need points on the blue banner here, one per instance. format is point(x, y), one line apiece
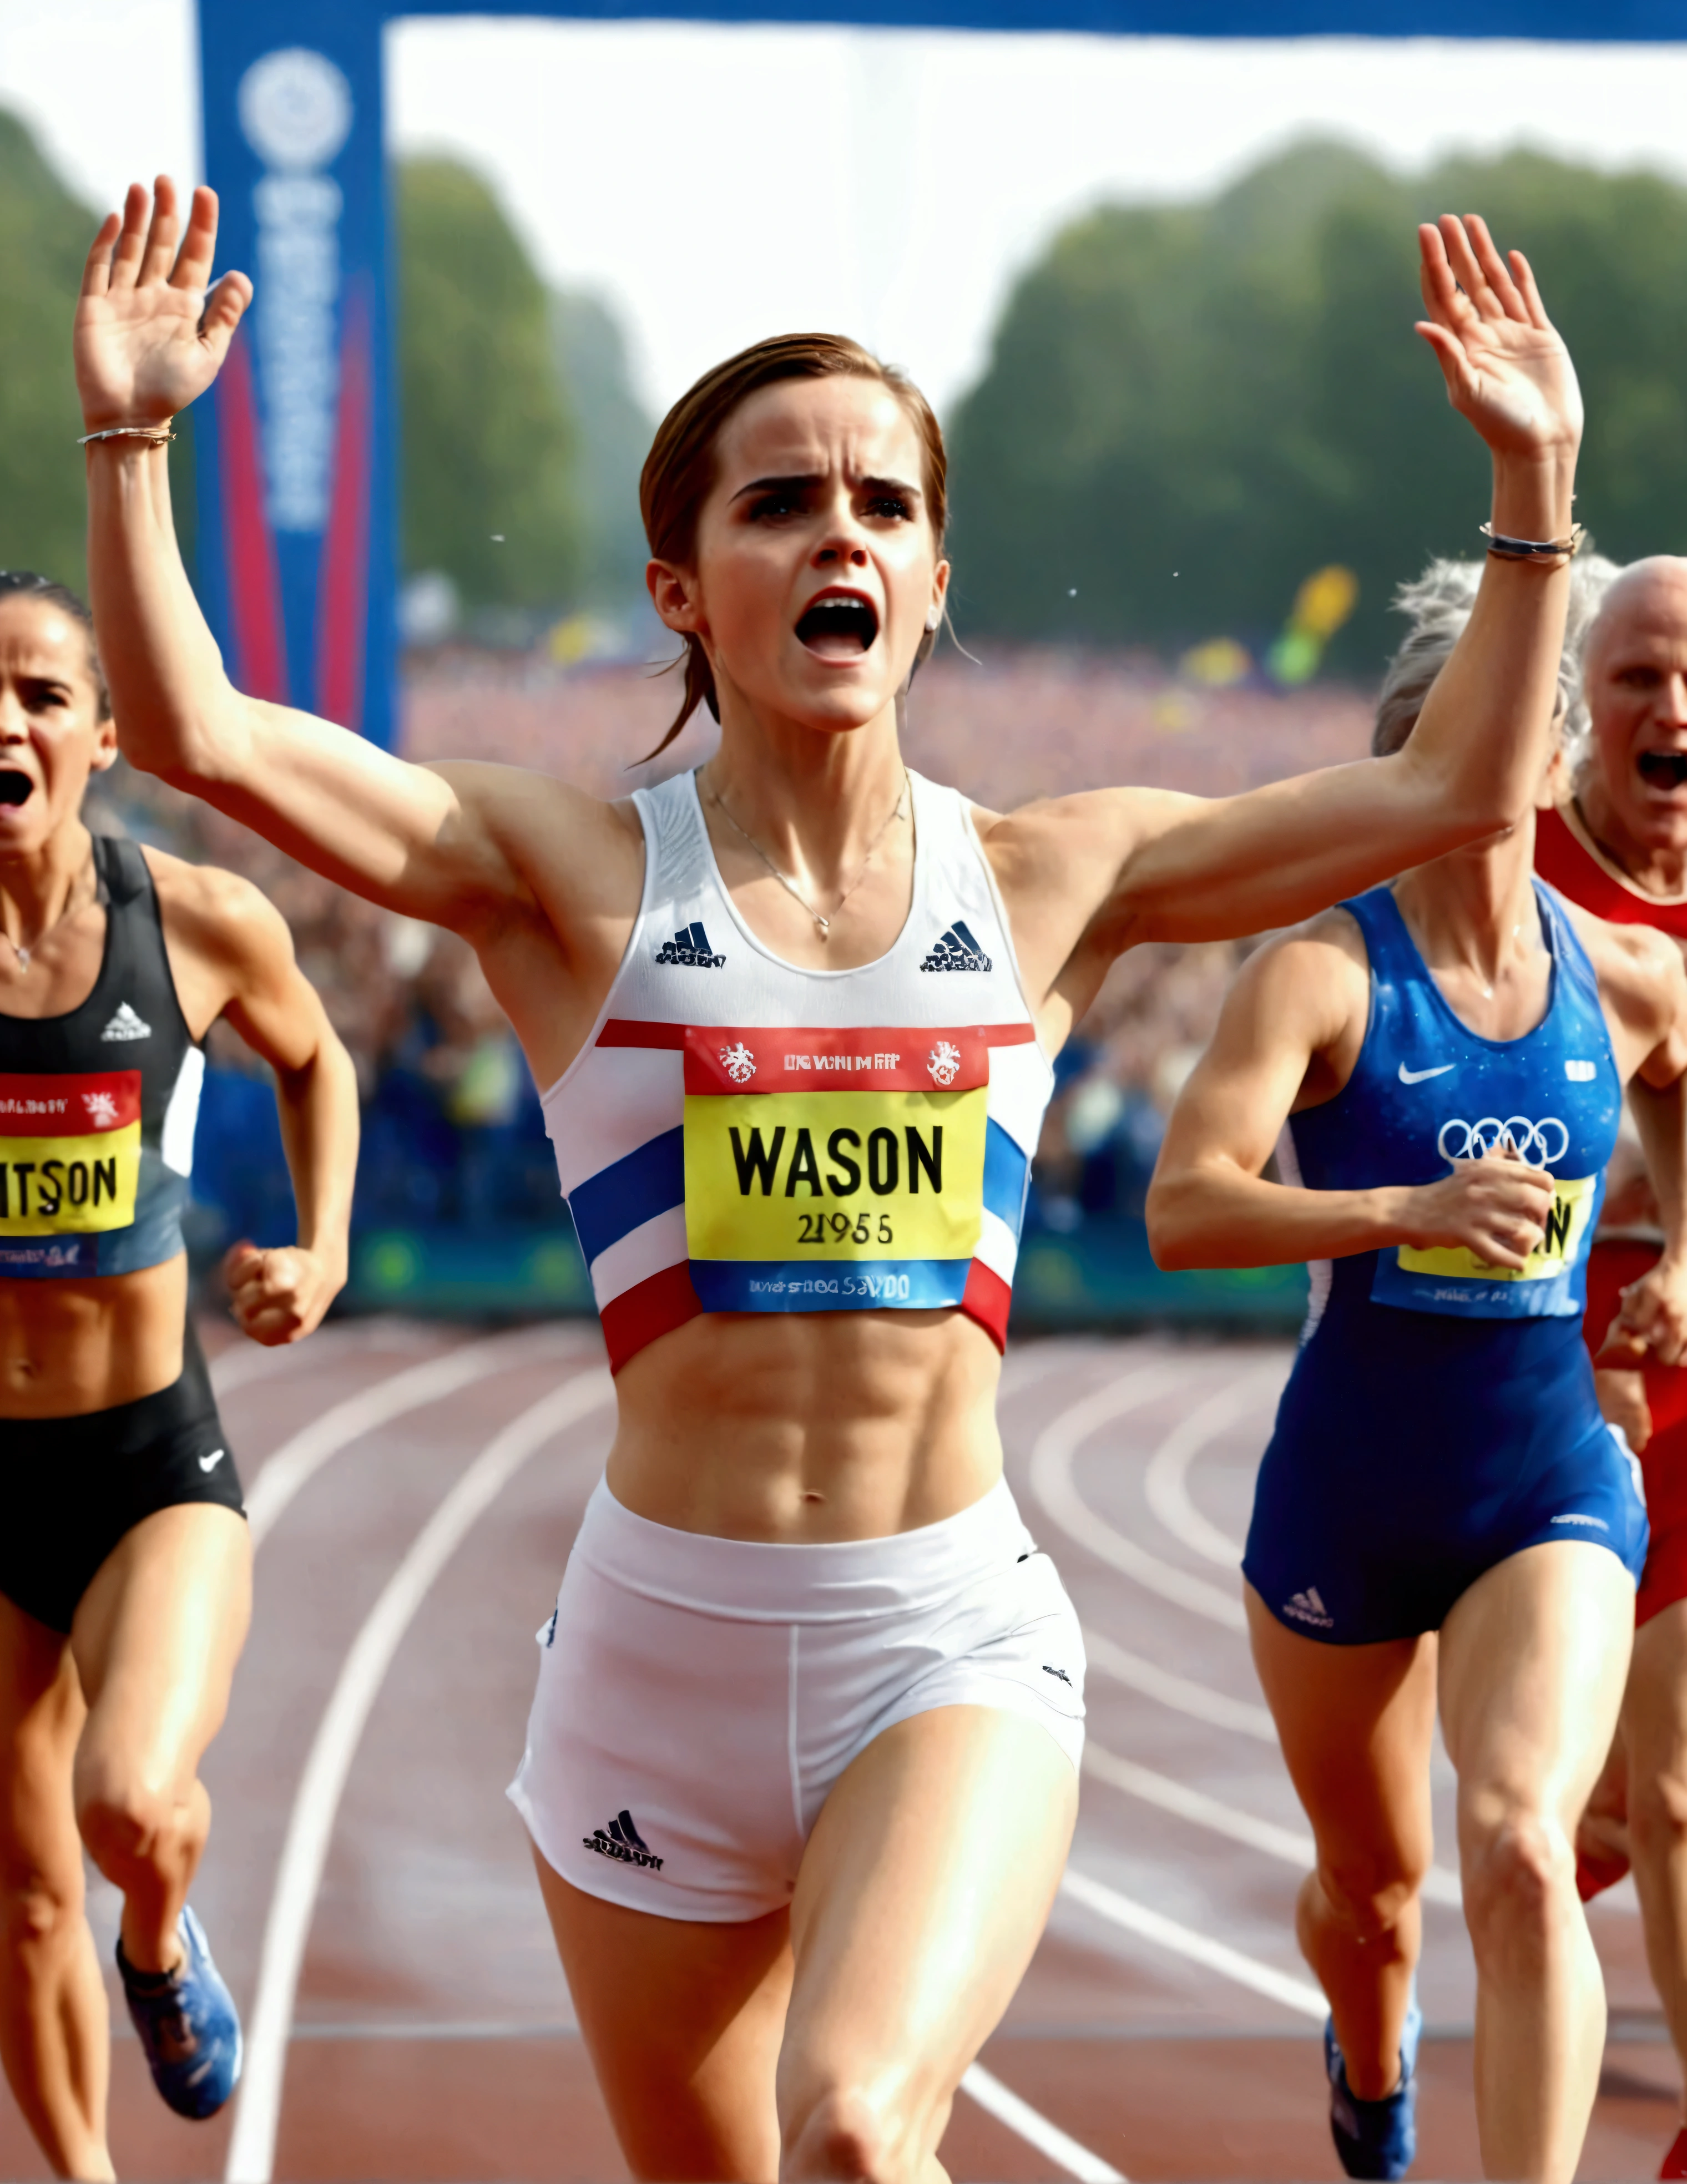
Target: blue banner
point(296, 444)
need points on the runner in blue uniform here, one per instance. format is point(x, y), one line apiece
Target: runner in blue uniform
point(1441, 1498)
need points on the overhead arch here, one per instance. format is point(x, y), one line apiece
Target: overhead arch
point(296, 447)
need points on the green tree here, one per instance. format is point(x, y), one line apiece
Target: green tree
point(614, 438)
point(44, 237)
point(489, 463)
point(1187, 408)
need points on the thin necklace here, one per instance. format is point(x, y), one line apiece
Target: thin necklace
point(790, 888)
point(71, 906)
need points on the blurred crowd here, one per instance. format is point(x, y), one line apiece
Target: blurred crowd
point(452, 1134)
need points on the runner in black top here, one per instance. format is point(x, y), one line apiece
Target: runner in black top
point(124, 1561)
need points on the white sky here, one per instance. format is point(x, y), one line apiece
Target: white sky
point(719, 185)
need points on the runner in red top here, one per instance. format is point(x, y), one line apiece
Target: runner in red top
point(1618, 845)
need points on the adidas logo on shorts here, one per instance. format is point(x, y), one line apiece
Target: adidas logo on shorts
point(621, 1840)
point(956, 950)
point(1308, 1607)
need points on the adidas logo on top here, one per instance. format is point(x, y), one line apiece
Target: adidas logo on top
point(621, 1841)
point(1308, 1607)
point(690, 948)
point(956, 950)
point(126, 1024)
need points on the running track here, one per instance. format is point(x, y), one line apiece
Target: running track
point(415, 1490)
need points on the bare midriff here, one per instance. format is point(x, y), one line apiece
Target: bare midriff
point(69, 1347)
point(795, 1427)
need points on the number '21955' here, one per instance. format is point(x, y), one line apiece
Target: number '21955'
point(842, 1229)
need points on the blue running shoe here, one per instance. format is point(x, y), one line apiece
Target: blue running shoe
point(188, 2025)
point(1376, 2138)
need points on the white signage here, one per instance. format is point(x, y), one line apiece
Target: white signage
point(296, 112)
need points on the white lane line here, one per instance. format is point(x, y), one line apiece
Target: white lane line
point(1200, 1700)
point(298, 1459)
point(1165, 1483)
point(1031, 2125)
point(316, 1802)
point(1292, 1846)
point(1051, 1482)
point(244, 1361)
point(1182, 1941)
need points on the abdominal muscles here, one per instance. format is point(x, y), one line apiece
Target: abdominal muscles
point(803, 1426)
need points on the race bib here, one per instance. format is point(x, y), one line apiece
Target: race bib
point(833, 1168)
point(70, 1153)
point(1452, 1279)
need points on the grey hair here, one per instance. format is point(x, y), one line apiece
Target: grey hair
point(1438, 604)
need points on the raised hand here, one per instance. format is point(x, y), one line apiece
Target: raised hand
point(150, 337)
point(1505, 367)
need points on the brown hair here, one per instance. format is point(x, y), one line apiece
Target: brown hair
point(679, 469)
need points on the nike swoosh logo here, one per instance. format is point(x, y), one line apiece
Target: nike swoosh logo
point(210, 1463)
point(1417, 1076)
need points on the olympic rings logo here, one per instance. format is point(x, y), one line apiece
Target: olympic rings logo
point(1532, 1142)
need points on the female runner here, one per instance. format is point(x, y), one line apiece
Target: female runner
point(1451, 1051)
point(801, 1771)
point(124, 1562)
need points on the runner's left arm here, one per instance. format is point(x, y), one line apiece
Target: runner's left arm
point(242, 950)
point(1132, 865)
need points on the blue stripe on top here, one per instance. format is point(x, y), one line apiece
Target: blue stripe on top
point(629, 1192)
point(1007, 1171)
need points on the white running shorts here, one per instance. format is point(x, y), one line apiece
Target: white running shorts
point(699, 1697)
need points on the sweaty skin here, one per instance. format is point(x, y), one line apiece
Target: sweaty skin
point(854, 1424)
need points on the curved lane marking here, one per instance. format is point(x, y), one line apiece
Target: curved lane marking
point(1005, 2104)
point(299, 1458)
point(244, 1362)
point(1051, 1482)
point(316, 1802)
point(1199, 1701)
point(1165, 1483)
point(1292, 1846)
point(1124, 1911)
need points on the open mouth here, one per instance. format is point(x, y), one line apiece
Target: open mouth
point(839, 626)
point(1663, 769)
point(15, 788)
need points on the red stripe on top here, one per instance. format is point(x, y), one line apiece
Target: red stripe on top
point(651, 1307)
point(80, 1107)
point(727, 1058)
point(987, 1299)
point(1565, 863)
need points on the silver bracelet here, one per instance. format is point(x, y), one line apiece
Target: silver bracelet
point(160, 436)
point(1533, 549)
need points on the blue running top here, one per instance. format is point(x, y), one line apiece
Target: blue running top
point(1426, 1090)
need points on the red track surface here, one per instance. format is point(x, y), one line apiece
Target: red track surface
point(432, 2035)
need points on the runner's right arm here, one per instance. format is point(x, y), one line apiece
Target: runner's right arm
point(444, 843)
point(1288, 1038)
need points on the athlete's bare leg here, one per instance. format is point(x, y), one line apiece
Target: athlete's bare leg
point(683, 2022)
point(1534, 1659)
point(1654, 1730)
point(156, 1638)
point(1356, 1724)
point(54, 2034)
point(830, 2044)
